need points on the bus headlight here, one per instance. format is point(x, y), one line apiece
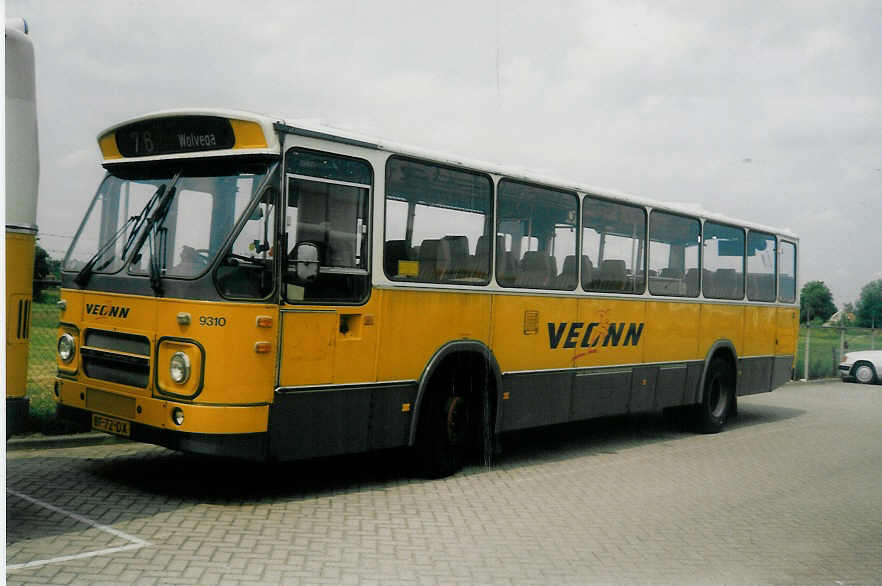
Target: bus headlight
point(67, 347)
point(179, 367)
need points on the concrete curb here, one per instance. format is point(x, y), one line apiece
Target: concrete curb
point(42, 442)
point(815, 381)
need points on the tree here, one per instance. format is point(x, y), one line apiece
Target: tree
point(869, 306)
point(848, 315)
point(41, 270)
point(815, 300)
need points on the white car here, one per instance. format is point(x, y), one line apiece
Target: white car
point(865, 366)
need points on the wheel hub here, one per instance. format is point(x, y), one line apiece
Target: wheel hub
point(457, 419)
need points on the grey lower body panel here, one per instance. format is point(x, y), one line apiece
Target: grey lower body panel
point(761, 374)
point(782, 370)
point(549, 397)
point(329, 421)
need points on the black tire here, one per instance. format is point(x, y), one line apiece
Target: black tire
point(864, 373)
point(711, 414)
point(446, 427)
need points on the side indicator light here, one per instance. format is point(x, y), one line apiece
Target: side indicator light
point(264, 321)
point(262, 347)
point(506, 396)
point(405, 407)
point(184, 318)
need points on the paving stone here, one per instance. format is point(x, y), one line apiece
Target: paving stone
point(791, 493)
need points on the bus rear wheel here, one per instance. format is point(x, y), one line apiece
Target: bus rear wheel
point(445, 430)
point(718, 399)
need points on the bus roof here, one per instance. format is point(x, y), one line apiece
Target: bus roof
point(269, 125)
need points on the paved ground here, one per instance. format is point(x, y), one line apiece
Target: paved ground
point(790, 494)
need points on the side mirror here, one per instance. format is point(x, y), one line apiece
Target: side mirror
point(305, 258)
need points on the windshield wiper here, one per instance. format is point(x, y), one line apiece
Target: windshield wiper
point(154, 225)
point(85, 273)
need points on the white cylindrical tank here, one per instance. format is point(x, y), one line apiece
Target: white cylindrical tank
point(22, 160)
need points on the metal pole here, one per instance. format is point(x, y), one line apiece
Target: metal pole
point(841, 343)
point(808, 338)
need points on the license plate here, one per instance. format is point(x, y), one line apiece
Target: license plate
point(111, 425)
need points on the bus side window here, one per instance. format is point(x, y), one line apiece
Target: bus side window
point(539, 228)
point(327, 219)
point(615, 235)
point(438, 223)
point(723, 259)
point(761, 266)
point(673, 253)
point(787, 273)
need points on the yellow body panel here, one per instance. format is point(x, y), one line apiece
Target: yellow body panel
point(787, 331)
point(19, 279)
point(618, 336)
point(721, 322)
point(521, 338)
point(107, 144)
point(105, 311)
point(414, 324)
point(759, 331)
point(249, 135)
point(322, 345)
point(672, 332)
point(235, 374)
point(307, 347)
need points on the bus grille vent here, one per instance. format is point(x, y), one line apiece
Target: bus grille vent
point(117, 357)
point(24, 319)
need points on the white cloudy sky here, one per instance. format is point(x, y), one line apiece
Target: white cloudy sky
point(760, 110)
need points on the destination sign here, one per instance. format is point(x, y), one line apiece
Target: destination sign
point(175, 134)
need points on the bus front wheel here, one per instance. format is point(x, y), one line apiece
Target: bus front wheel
point(718, 398)
point(445, 429)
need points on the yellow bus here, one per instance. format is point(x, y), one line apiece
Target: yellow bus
point(266, 289)
point(22, 176)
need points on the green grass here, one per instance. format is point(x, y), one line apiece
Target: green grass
point(42, 369)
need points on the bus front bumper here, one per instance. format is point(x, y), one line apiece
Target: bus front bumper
point(221, 430)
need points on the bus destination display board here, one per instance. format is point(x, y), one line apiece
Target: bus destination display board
point(175, 134)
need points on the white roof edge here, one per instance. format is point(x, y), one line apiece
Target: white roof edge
point(526, 175)
point(458, 161)
point(265, 121)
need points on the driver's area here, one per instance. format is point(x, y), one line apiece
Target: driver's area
point(328, 198)
point(247, 269)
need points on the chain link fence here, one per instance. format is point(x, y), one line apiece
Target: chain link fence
point(825, 346)
point(41, 364)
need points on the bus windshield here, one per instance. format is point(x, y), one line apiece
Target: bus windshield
point(198, 220)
